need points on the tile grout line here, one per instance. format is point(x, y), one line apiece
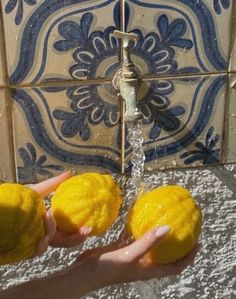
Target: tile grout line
point(7, 93)
point(108, 81)
point(224, 143)
point(179, 76)
point(232, 35)
point(122, 104)
point(4, 48)
point(59, 83)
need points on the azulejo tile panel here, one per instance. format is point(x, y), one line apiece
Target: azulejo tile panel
point(56, 40)
point(183, 121)
point(180, 36)
point(229, 153)
point(7, 171)
point(74, 127)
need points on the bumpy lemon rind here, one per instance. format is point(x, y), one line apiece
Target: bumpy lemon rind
point(183, 216)
point(90, 199)
point(22, 213)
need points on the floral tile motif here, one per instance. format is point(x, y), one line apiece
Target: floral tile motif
point(180, 36)
point(67, 126)
point(229, 149)
point(50, 41)
point(56, 40)
point(183, 121)
point(7, 172)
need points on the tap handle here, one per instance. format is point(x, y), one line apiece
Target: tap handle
point(128, 40)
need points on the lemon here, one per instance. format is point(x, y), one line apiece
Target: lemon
point(167, 205)
point(22, 214)
point(89, 199)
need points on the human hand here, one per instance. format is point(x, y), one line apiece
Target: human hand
point(53, 236)
point(116, 263)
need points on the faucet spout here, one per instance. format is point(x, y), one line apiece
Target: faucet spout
point(126, 80)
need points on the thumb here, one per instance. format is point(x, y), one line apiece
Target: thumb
point(139, 248)
point(48, 186)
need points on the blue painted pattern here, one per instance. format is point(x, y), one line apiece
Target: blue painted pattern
point(94, 52)
point(207, 153)
point(19, 6)
point(41, 136)
point(219, 4)
point(86, 108)
point(32, 167)
point(92, 49)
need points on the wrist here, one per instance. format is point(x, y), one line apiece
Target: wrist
point(94, 273)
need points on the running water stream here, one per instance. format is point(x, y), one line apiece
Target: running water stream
point(135, 139)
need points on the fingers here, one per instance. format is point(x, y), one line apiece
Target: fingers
point(48, 186)
point(124, 238)
point(61, 239)
point(139, 248)
point(50, 224)
point(42, 246)
point(50, 230)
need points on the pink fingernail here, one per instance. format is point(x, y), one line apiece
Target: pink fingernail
point(85, 230)
point(162, 231)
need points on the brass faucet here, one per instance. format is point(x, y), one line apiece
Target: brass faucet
point(126, 80)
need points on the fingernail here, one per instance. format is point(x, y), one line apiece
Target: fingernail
point(49, 213)
point(162, 231)
point(85, 230)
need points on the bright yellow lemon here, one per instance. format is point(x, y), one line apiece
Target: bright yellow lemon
point(167, 205)
point(89, 199)
point(22, 213)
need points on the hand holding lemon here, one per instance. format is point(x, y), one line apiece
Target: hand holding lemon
point(92, 201)
point(89, 199)
point(172, 206)
point(26, 229)
point(82, 205)
point(166, 223)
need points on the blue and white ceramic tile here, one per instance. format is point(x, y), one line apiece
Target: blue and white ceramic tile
point(229, 152)
point(7, 171)
point(50, 41)
point(183, 121)
point(180, 36)
point(72, 127)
